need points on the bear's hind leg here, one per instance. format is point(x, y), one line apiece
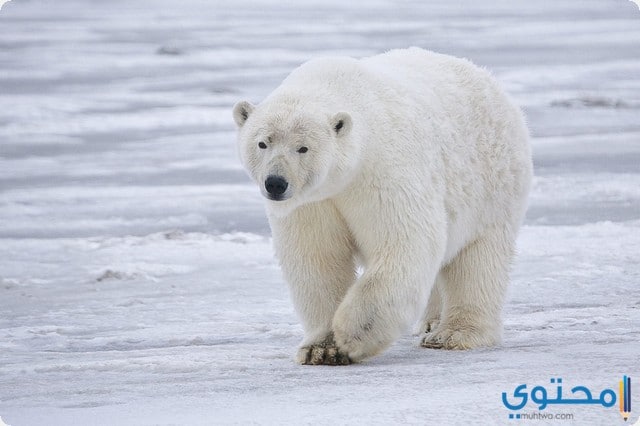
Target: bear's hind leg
point(473, 291)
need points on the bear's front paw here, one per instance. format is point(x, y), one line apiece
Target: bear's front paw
point(322, 353)
point(361, 332)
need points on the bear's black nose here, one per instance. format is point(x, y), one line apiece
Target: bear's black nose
point(276, 185)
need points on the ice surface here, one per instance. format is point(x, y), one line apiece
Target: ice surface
point(137, 279)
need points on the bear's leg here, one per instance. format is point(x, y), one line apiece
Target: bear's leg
point(316, 254)
point(474, 288)
point(377, 310)
point(431, 317)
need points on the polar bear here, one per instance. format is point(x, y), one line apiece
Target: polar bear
point(395, 187)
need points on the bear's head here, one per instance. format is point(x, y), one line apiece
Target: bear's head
point(294, 152)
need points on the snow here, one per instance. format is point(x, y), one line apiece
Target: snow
point(137, 280)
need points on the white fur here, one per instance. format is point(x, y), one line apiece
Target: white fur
point(425, 181)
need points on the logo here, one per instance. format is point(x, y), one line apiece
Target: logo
point(2, 3)
point(637, 2)
point(579, 395)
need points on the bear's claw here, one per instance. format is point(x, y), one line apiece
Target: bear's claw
point(323, 353)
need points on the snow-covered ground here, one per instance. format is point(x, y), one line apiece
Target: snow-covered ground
point(137, 280)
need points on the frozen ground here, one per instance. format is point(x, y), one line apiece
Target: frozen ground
point(137, 282)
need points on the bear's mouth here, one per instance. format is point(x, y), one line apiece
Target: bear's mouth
point(281, 197)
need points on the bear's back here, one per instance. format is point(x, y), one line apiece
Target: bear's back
point(400, 75)
point(335, 82)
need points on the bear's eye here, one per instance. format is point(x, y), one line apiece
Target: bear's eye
point(303, 149)
point(262, 145)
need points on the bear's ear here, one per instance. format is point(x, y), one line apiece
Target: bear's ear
point(341, 124)
point(241, 112)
